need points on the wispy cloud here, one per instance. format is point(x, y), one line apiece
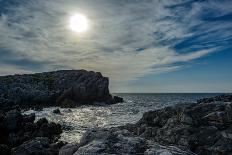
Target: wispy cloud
point(127, 39)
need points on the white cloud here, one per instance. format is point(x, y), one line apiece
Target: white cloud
point(37, 30)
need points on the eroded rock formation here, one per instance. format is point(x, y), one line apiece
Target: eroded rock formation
point(20, 134)
point(67, 88)
point(202, 128)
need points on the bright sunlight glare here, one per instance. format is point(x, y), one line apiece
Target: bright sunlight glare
point(78, 23)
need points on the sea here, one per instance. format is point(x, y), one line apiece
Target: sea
point(76, 121)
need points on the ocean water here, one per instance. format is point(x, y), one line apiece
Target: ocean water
point(77, 120)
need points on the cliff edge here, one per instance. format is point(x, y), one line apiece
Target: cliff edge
point(57, 88)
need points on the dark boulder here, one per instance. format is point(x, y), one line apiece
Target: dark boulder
point(46, 129)
point(56, 111)
point(113, 141)
point(68, 149)
point(29, 118)
point(41, 121)
point(117, 99)
point(37, 146)
point(17, 129)
point(4, 149)
point(57, 145)
point(30, 127)
point(13, 120)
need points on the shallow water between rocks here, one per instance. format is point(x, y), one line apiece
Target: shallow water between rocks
point(76, 121)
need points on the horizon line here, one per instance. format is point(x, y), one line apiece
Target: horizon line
point(172, 93)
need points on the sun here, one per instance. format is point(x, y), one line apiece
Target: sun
point(78, 23)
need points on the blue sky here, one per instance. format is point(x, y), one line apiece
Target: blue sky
point(142, 45)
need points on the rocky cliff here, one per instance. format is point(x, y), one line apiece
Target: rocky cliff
point(64, 87)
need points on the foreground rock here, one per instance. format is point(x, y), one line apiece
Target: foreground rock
point(67, 88)
point(200, 128)
point(56, 111)
point(21, 135)
point(39, 145)
point(68, 149)
point(121, 141)
point(203, 128)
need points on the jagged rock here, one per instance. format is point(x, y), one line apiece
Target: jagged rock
point(57, 145)
point(121, 141)
point(45, 129)
point(41, 121)
point(68, 149)
point(156, 149)
point(203, 128)
point(185, 129)
point(56, 111)
point(13, 120)
point(17, 129)
point(53, 88)
point(224, 98)
point(222, 146)
point(118, 99)
point(29, 118)
point(4, 149)
point(110, 142)
point(67, 110)
point(39, 145)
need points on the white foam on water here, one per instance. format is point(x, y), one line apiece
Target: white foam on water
point(76, 122)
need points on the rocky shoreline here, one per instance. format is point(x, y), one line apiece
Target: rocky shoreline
point(203, 128)
point(200, 128)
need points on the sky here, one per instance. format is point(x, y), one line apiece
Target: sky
point(141, 45)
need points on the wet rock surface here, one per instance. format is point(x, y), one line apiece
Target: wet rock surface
point(68, 149)
point(56, 111)
point(121, 141)
point(203, 128)
point(111, 142)
point(66, 88)
point(21, 135)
